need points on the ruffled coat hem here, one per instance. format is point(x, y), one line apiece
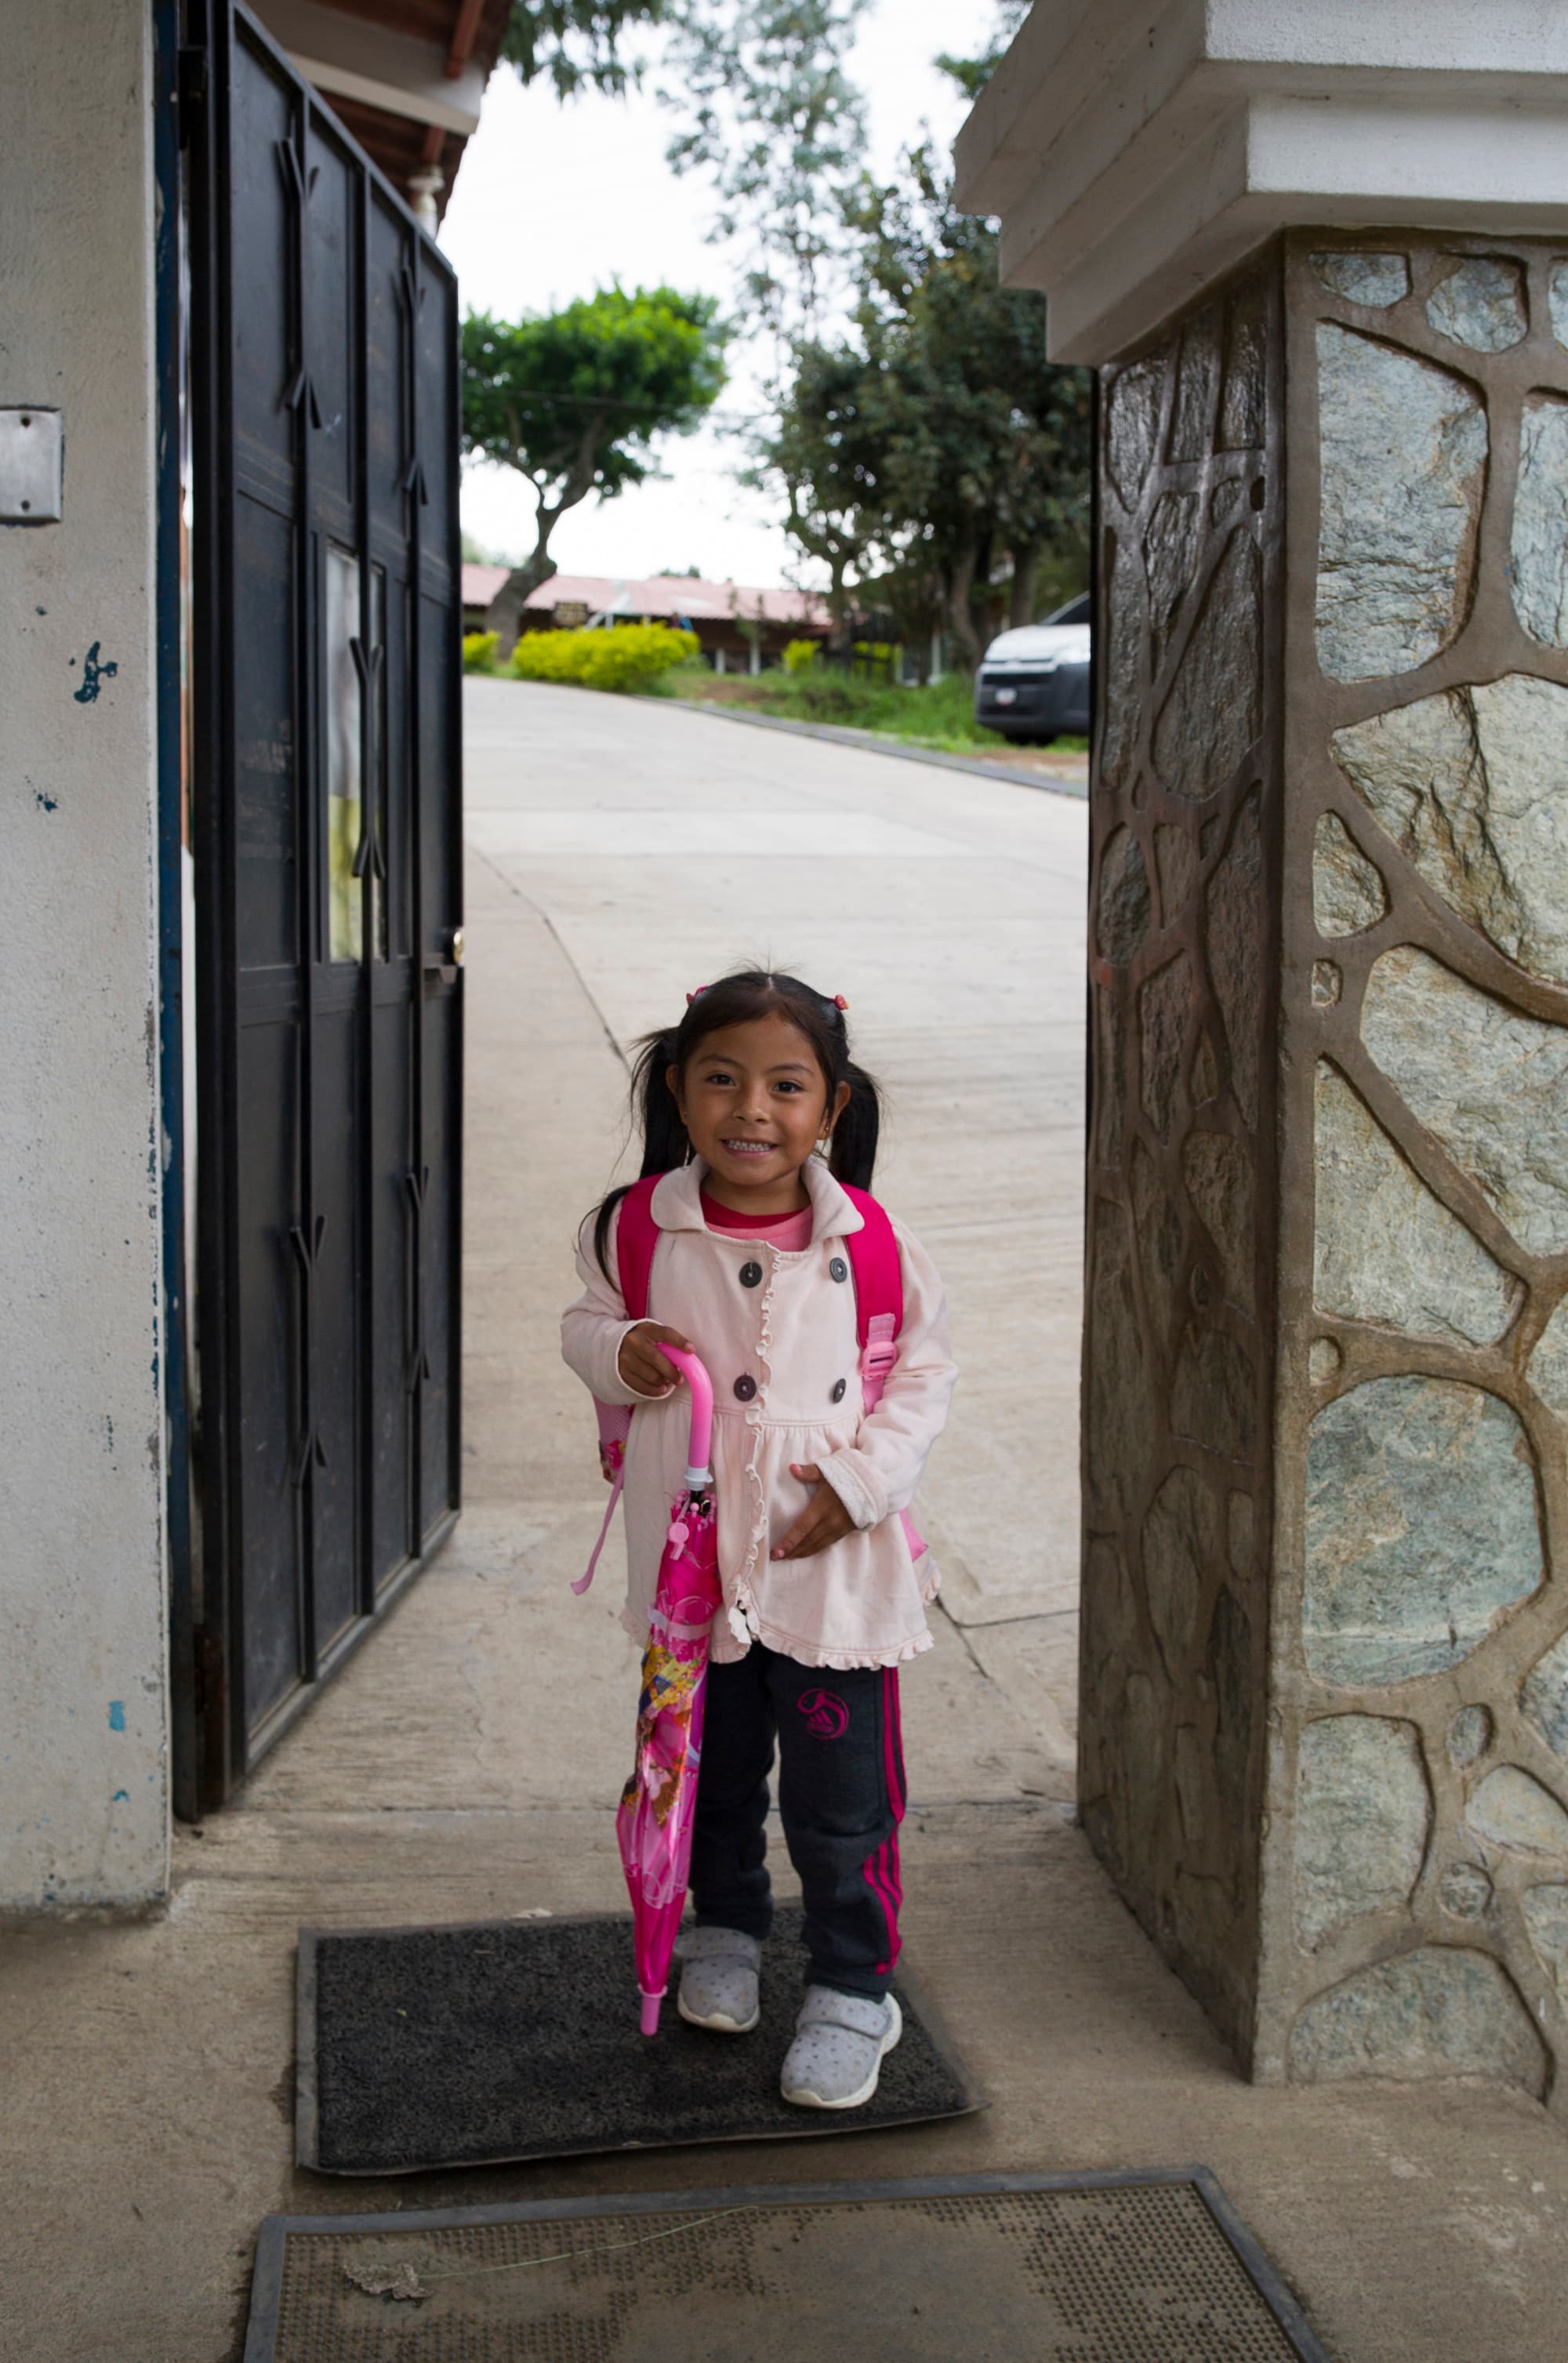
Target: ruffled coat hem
point(807, 1653)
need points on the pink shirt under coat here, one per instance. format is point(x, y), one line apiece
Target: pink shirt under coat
point(790, 1232)
point(788, 1339)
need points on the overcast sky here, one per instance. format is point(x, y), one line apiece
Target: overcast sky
point(554, 201)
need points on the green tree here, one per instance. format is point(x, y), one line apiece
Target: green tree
point(824, 458)
point(771, 112)
point(988, 445)
point(972, 74)
point(930, 455)
point(577, 400)
point(575, 42)
point(935, 457)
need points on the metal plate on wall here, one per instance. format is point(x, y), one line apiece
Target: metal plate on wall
point(32, 465)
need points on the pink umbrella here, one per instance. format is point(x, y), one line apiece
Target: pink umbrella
point(658, 1806)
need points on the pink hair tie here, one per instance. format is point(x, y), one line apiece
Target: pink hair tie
point(693, 996)
point(839, 1001)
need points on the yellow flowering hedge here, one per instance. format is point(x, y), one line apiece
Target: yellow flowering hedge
point(479, 652)
point(623, 656)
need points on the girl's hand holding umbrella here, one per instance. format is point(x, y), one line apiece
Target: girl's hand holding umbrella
point(641, 1365)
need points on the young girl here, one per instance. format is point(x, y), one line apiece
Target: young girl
point(754, 1113)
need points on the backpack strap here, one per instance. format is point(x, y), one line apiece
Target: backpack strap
point(879, 1292)
point(879, 1311)
point(636, 1236)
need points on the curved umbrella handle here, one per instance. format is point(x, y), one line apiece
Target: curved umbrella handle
point(698, 1471)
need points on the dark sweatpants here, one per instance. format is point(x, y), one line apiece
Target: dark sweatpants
point(841, 1798)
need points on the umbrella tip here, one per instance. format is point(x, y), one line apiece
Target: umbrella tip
point(650, 2003)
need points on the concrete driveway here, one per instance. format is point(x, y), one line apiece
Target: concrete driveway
point(466, 1764)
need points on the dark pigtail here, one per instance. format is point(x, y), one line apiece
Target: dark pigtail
point(737, 1000)
point(664, 1142)
point(853, 1154)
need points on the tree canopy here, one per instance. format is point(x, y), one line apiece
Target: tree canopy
point(933, 457)
point(972, 74)
point(771, 112)
point(575, 400)
point(825, 458)
point(575, 42)
point(924, 452)
point(987, 444)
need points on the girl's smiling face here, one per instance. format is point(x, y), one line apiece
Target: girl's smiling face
point(755, 1103)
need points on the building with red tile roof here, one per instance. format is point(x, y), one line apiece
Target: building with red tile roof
point(740, 626)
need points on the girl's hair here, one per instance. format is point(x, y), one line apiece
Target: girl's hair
point(737, 1000)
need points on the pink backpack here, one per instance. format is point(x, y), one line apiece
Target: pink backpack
point(878, 1277)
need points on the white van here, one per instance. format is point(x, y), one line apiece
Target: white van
point(1033, 683)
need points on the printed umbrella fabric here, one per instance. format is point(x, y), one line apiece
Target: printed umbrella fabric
point(659, 1803)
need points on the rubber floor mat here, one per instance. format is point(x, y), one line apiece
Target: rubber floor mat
point(475, 2045)
point(1146, 2268)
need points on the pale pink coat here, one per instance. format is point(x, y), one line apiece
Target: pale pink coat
point(861, 1602)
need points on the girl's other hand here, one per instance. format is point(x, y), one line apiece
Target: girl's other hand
point(640, 1364)
point(824, 1519)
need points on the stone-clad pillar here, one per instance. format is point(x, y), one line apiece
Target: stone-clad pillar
point(1325, 1686)
point(1325, 1662)
point(1179, 1377)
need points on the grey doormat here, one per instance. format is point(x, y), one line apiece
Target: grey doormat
point(1146, 2267)
point(508, 2039)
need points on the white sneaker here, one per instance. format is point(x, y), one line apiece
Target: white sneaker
point(720, 1980)
point(839, 2043)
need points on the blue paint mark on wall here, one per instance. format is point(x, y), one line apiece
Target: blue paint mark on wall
point(45, 803)
point(117, 1715)
point(93, 676)
point(121, 1796)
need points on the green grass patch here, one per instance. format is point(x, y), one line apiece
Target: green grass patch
point(940, 716)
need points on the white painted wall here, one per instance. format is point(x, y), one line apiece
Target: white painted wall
point(83, 1791)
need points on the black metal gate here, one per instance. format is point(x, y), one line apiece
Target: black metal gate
point(325, 810)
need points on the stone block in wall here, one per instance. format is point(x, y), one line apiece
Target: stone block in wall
point(1440, 2011)
point(1421, 1529)
point(1386, 1249)
point(1401, 449)
point(1488, 1081)
point(1469, 784)
point(1364, 1813)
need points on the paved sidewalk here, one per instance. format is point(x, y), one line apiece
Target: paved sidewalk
point(466, 1764)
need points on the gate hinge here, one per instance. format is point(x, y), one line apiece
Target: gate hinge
point(206, 1671)
point(191, 90)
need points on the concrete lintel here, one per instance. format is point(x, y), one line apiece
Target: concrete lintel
point(1272, 164)
point(346, 56)
point(1046, 86)
point(1135, 150)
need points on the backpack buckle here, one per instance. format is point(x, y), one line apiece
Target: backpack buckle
point(878, 1356)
